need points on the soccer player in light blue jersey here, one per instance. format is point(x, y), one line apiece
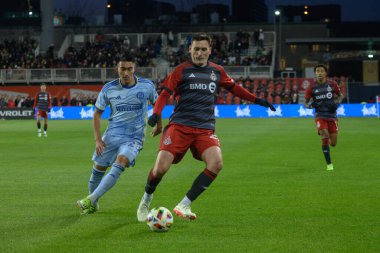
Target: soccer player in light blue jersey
point(128, 97)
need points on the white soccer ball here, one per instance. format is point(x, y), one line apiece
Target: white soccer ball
point(160, 219)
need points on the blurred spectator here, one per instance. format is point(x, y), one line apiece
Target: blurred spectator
point(256, 35)
point(17, 100)
point(64, 101)
point(54, 101)
point(20, 102)
point(170, 39)
point(286, 97)
point(3, 103)
point(261, 38)
point(73, 101)
point(11, 103)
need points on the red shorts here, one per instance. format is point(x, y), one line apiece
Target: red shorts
point(177, 139)
point(42, 114)
point(330, 124)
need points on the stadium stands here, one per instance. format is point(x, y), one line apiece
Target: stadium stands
point(90, 58)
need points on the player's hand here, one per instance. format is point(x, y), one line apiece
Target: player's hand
point(100, 146)
point(316, 104)
point(332, 106)
point(265, 103)
point(153, 119)
point(156, 130)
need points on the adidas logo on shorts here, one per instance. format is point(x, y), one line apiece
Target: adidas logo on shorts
point(168, 141)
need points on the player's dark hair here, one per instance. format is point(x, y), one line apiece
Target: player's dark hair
point(127, 57)
point(320, 66)
point(200, 37)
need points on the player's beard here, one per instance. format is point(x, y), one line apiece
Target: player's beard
point(125, 80)
point(200, 62)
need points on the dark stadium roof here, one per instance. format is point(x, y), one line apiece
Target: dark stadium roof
point(330, 40)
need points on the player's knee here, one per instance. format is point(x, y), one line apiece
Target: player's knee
point(159, 172)
point(216, 166)
point(325, 141)
point(123, 161)
point(161, 167)
point(101, 168)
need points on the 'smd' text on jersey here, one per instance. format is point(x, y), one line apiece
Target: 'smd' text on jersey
point(194, 90)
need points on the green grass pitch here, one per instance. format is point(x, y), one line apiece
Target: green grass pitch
point(273, 194)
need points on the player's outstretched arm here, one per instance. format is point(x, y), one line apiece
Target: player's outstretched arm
point(264, 103)
point(245, 94)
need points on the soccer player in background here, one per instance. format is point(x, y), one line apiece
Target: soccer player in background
point(128, 96)
point(194, 85)
point(42, 102)
point(325, 96)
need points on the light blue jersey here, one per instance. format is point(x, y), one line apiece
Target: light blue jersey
point(127, 123)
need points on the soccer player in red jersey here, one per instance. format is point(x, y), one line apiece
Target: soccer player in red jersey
point(194, 85)
point(325, 96)
point(43, 103)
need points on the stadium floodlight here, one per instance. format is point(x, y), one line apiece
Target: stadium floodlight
point(277, 14)
point(30, 13)
point(370, 55)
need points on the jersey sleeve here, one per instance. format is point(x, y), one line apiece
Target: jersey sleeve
point(308, 92)
point(228, 83)
point(102, 101)
point(225, 80)
point(153, 94)
point(168, 87)
point(49, 101)
point(35, 101)
point(336, 89)
point(173, 80)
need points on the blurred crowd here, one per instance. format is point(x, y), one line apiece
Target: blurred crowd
point(276, 91)
point(28, 102)
point(104, 52)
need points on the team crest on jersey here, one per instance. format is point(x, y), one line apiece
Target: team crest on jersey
point(212, 87)
point(329, 88)
point(213, 76)
point(168, 141)
point(140, 95)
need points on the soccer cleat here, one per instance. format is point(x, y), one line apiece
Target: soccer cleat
point(45, 134)
point(39, 134)
point(184, 212)
point(143, 210)
point(330, 167)
point(87, 206)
